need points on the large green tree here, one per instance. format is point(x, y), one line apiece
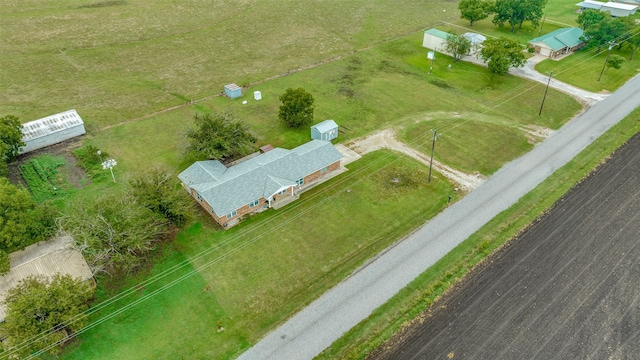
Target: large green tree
point(607, 32)
point(591, 17)
point(475, 10)
point(114, 233)
point(160, 192)
point(633, 41)
point(11, 135)
point(15, 215)
point(516, 12)
point(457, 46)
point(501, 54)
point(220, 137)
point(10, 141)
point(43, 313)
point(297, 107)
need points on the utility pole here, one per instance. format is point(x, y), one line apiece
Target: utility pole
point(606, 60)
point(545, 93)
point(433, 145)
point(543, 19)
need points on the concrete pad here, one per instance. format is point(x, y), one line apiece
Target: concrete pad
point(349, 155)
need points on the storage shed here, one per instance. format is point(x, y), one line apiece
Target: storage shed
point(435, 39)
point(51, 130)
point(233, 91)
point(326, 130)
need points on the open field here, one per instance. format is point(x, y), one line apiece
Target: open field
point(118, 60)
point(565, 288)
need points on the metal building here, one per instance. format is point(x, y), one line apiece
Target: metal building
point(51, 130)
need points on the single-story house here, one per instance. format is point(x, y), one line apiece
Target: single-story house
point(476, 41)
point(616, 9)
point(45, 258)
point(228, 193)
point(51, 130)
point(326, 130)
point(558, 42)
point(435, 39)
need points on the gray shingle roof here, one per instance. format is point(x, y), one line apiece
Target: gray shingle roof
point(325, 126)
point(228, 189)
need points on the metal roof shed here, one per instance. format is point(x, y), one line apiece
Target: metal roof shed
point(326, 130)
point(45, 258)
point(233, 91)
point(51, 130)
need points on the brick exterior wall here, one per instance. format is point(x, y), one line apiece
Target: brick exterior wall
point(316, 175)
point(246, 209)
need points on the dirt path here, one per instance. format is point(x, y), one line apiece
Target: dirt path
point(386, 139)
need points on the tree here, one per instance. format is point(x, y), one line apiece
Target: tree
point(11, 136)
point(591, 17)
point(4, 148)
point(114, 232)
point(516, 12)
point(15, 216)
point(615, 61)
point(297, 107)
point(43, 313)
point(475, 10)
point(502, 53)
point(633, 41)
point(220, 137)
point(160, 192)
point(22, 221)
point(457, 46)
point(606, 32)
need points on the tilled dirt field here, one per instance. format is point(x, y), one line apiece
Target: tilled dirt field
point(567, 288)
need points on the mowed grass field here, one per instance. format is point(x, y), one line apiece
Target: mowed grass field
point(118, 60)
point(135, 58)
point(261, 272)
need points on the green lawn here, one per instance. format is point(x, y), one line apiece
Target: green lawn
point(246, 280)
point(583, 69)
point(118, 60)
point(410, 303)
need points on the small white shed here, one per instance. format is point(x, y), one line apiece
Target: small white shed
point(326, 130)
point(51, 130)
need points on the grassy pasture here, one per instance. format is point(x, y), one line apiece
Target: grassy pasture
point(583, 69)
point(387, 86)
point(118, 60)
point(254, 289)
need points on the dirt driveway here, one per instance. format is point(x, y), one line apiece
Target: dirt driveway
point(386, 139)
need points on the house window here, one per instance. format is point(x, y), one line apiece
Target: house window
point(254, 203)
point(300, 182)
point(282, 191)
point(324, 170)
point(232, 214)
point(199, 197)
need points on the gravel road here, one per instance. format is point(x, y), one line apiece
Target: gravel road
point(322, 322)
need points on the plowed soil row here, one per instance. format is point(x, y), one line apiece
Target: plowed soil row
point(567, 288)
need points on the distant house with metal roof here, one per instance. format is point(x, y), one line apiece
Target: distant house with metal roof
point(616, 9)
point(326, 130)
point(228, 193)
point(558, 42)
point(435, 39)
point(476, 41)
point(45, 258)
point(51, 130)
